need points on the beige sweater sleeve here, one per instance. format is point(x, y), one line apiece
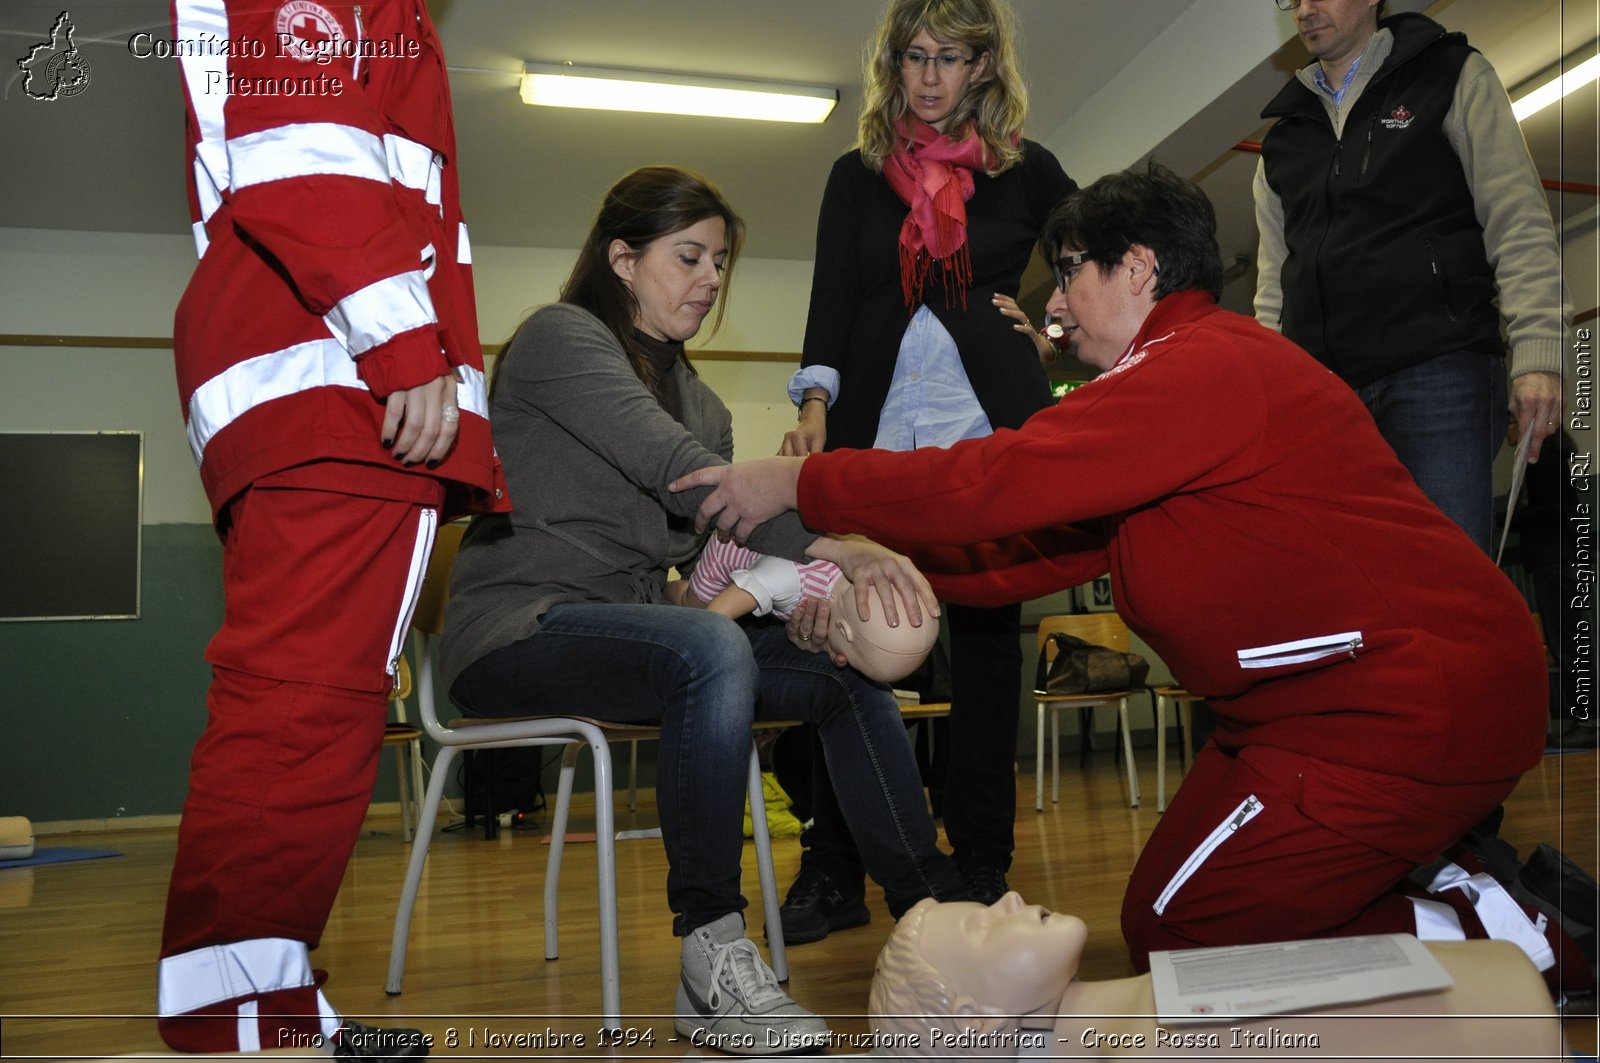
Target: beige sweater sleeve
point(1512, 209)
point(1270, 253)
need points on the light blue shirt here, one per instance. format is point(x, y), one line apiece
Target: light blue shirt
point(1349, 75)
point(930, 402)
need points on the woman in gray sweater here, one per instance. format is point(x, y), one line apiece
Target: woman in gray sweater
point(559, 604)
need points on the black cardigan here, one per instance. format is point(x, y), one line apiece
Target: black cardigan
point(858, 313)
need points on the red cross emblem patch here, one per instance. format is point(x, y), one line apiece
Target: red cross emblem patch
point(308, 31)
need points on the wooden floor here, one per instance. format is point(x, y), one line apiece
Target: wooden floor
point(78, 941)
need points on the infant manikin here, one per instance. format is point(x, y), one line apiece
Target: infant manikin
point(736, 581)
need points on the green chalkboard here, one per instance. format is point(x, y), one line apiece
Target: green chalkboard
point(70, 521)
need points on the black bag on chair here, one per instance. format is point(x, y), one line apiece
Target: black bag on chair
point(1081, 667)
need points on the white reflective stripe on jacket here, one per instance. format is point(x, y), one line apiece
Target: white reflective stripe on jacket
point(277, 374)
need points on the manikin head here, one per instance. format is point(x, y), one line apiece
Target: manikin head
point(872, 647)
point(964, 967)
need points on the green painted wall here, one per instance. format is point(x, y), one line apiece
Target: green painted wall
point(105, 712)
point(100, 715)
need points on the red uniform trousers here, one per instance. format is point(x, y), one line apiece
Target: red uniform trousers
point(1267, 845)
point(320, 586)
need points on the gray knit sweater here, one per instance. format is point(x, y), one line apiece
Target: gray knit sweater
point(588, 454)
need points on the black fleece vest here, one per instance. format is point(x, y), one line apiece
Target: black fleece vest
point(1386, 266)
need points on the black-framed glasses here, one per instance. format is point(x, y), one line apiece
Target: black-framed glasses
point(1288, 5)
point(945, 62)
point(1065, 269)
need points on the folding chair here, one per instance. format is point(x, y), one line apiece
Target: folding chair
point(572, 732)
point(1102, 629)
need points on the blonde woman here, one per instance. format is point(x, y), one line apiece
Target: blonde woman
point(925, 229)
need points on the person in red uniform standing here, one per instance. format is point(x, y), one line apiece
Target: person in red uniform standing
point(332, 384)
point(1378, 683)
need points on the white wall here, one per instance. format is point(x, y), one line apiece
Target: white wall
point(127, 285)
point(766, 312)
point(120, 284)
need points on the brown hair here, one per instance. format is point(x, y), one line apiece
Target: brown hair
point(647, 204)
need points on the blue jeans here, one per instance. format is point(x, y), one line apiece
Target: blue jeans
point(974, 758)
point(704, 679)
point(1445, 419)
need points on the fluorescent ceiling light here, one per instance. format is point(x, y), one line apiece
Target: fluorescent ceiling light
point(550, 85)
point(1557, 87)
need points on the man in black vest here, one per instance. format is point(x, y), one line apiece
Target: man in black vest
point(1396, 202)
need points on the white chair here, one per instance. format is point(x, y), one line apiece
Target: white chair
point(574, 733)
point(1102, 629)
point(1180, 697)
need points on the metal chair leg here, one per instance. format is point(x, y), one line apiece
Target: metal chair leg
point(1127, 751)
point(419, 856)
point(765, 871)
point(1038, 760)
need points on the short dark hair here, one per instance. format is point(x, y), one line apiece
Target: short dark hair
point(1154, 207)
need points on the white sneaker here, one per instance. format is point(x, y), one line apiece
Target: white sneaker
point(730, 1000)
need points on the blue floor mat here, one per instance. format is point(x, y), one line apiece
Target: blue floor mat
point(60, 855)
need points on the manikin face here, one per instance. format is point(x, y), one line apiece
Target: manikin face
point(1009, 955)
point(1100, 311)
point(1336, 30)
point(932, 91)
point(675, 279)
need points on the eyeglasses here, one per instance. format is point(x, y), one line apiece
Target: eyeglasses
point(1065, 269)
point(1288, 5)
point(944, 63)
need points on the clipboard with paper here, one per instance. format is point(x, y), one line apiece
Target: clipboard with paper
point(1213, 985)
point(1519, 469)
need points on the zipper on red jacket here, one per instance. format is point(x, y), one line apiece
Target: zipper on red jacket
point(1302, 651)
point(1247, 810)
point(355, 72)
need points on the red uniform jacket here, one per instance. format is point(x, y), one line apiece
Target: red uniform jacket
point(335, 267)
point(1260, 536)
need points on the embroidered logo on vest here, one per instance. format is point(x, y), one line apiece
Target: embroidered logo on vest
point(1399, 118)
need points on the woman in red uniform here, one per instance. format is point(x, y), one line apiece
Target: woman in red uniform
point(1378, 683)
point(332, 384)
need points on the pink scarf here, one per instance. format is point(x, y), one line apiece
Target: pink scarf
point(933, 176)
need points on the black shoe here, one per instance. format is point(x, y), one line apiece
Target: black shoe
point(817, 905)
point(986, 881)
point(1577, 1005)
point(1571, 896)
point(359, 1041)
point(1579, 735)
